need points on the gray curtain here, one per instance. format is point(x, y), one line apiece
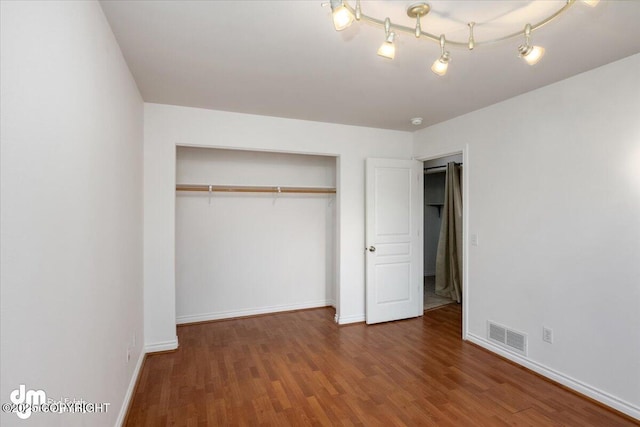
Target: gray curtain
point(449, 255)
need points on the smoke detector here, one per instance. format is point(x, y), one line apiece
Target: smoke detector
point(416, 121)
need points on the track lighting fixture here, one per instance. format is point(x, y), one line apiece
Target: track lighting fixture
point(344, 14)
point(441, 64)
point(388, 49)
point(531, 54)
point(342, 17)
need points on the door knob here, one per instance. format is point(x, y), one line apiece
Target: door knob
point(372, 248)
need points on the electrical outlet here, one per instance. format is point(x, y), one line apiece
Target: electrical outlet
point(547, 335)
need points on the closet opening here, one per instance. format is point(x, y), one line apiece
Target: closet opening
point(442, 232)
point(255, 233)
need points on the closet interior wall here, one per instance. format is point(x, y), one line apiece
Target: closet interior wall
point(239, 254)
point(433, 203)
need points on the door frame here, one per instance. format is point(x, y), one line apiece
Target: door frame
point(465, 227)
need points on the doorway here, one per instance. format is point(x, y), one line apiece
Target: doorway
point(435, 179)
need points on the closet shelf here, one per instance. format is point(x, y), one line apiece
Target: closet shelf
point(253, 189)
point(437, 205)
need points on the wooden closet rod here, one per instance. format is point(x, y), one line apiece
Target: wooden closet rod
point(244, 189)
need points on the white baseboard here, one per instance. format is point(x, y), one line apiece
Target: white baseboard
point(161, 346)
point(129, 394)
point(191, 318)
point(354, 318)
point(565, 380)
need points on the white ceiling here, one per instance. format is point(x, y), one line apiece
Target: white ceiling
point(284, 59)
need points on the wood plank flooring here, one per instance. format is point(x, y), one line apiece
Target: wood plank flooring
point(300, 368)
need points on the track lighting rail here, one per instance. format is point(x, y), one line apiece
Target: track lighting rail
point(436, 38)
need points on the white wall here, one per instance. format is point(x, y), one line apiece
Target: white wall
point(167, 126)
point(239, 254)
point(71, 215)
point(554, 197)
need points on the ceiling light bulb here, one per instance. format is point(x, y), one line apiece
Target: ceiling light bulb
point(531, 54)
point(388, 49)
point(441, 65)
point(342, 17)
point(592, 3)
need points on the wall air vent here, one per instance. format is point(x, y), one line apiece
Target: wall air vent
point(507, 338)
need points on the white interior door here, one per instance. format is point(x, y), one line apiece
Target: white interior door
point(394, 193)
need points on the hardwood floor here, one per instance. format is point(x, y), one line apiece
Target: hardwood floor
point(300, 368)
